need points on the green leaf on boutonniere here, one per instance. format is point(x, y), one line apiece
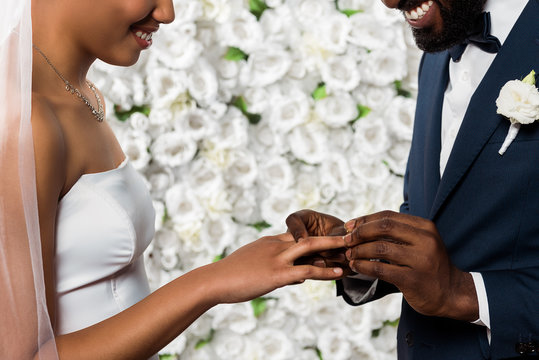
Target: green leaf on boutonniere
point(257, 7)
point(350, 12)
point(401, 91)
point(259, 306)
point(123, 115)
point(320, 92)
point(241, 104)
point(202, 342)
point(235, 54)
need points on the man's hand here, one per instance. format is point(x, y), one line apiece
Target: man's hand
point(305, 223)
point(408, 252)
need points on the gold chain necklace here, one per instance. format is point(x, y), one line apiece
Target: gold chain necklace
point(98, 113)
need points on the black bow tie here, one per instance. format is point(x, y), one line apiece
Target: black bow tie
point(480, 37)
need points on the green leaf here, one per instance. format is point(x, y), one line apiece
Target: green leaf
point(350, 12)
point(401, 91)
point(241, 104)
point(393, 323)
point(202, 342)
point(257, 7)
point(165, 215)
point(253, 118)
point(362, 111)
point(259, 306)
point(319, 353)
point(167, 357)
point(375, 333)
point(319, 92)
point(261, 225)
point(123, 115)
point(235, 54)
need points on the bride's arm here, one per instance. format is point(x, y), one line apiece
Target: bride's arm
point(143, 329)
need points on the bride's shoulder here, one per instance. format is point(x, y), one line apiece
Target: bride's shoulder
point(48, 136)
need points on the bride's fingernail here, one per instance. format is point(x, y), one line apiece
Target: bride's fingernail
point(337, 271)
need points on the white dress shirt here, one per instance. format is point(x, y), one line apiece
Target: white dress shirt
point(464, 78)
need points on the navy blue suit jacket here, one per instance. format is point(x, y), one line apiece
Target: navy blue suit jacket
point(486, 206)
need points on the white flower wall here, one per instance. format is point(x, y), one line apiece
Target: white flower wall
point(243, 112)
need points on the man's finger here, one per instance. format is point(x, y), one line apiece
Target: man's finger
point(384, 229)
point(394, 253)
point(296, 226)
point(390, 273)
point(411, 220)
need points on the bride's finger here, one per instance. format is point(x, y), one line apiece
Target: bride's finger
point(299, 273)
point(313, 245)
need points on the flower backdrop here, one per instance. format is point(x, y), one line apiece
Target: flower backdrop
point(245, 111)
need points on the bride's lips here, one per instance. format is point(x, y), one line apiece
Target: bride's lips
point(422, 16)
point(143, 35)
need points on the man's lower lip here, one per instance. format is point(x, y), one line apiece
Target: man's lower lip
point(144, 44)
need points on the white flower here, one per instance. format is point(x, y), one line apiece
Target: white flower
point(187, 10)
point(204, 176)
point(309, 143)
point(340, 73)
point(243, 169)
point(367, 32)
point(195, 123)
point(229, 345)
point(333, 343)
point(177, 48)
point(383, 67)
point(276, 207)
point(336, 170)
point(202, 82)
point(265, 66)
point(161, 179)
point(182, 205)
point(371, 135)
point(333, 33)
point(165, 86)
point(243, 32)
point(288, 110)
point(173, 149)
point(519, 102)
point(217, 10)
point(309, 12)
point(274, 343)
point(236, 317)
point(218, 233)
point(308, 193)
point(337, 109)
point(159, 208)
point(400, 113)
point(135, 147)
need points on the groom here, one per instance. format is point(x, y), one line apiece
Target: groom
point(464, 249)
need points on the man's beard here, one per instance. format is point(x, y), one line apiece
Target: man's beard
point(458, 21)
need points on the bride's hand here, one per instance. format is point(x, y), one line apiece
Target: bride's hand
point(267, 264)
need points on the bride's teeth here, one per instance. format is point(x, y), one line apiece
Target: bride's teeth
point(138, 33)
point(143, 37)
point(420, 12)
point(413, 15)
point(425, 7)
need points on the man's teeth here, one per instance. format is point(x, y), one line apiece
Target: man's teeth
point(144, 36)
point(419, 12)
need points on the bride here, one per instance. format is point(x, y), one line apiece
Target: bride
point(72, 280)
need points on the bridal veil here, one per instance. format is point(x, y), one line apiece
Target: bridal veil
point(25, 328)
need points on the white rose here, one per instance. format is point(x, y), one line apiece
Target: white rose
point(256, 99)
point(218, 234)
point(307, 190)
point(189, 233)
point(277, 206)
point(243, 170)
point(135, 145)
point(195, 123)
point(168, 259)
point(374, 97)
point(176, 346)
point(217, 10)
point(204, 176)
point(388, 308)
point(274, 343)
point(228, 345)
point(236, 317)
point(400, 113)
point(354, 4)
point(176, 47)
point(398, 156)
point(371, 135)
point(310, 12)
point(309, 142)
point(121, 93)
point(383, 67)
point(337, 109)
point(372, 171)
point(245, 208)
point(232, 131)
point(288, 111)
point(276, 173)
point(159, 208)
point(243, 32)
point(182, 205)
point(165, 85)
point(187, 10)
point(267, 140)
point(333, 33)
point(367, 32)
point(332, 343)
point(202, 82)
point(160, 179)
point(336, 170)
point(265, 66)
point(390, 195)
point(173, 149)
point(340, 73)
point(348, 205)
point(340, 138)
point(519, 102)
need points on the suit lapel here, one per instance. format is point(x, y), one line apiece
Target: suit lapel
point(520, 49)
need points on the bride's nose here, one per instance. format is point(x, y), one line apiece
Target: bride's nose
point(164, 11)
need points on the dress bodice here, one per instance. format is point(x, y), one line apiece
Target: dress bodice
point(104, 224)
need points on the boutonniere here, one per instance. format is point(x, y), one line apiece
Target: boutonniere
point(519, 102)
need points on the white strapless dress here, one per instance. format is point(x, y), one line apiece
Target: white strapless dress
point(104, 224)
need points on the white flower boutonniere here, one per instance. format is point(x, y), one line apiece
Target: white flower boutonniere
point(519, 102)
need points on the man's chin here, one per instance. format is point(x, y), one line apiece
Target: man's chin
point(427, 41)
